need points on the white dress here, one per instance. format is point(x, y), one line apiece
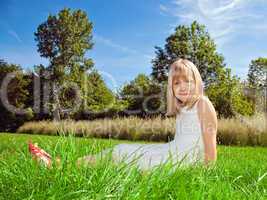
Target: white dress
point(186, 147)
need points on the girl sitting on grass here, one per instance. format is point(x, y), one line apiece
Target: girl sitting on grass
point(196, 126)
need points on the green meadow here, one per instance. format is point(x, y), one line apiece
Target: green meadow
point(80, 77)
point(239, 173)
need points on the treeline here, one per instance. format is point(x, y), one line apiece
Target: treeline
point(70, 86)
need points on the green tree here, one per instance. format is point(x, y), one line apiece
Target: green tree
point(14, 97)
point(257, 73)
point(144, 95)
point(194, 43)
point(64, 39)
point(257, 83)
point(228, 96)
point(97, 98)
point(40, 92)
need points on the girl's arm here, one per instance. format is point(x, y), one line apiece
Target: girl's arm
point(208, 121)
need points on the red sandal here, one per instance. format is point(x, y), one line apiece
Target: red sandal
point(40, 154)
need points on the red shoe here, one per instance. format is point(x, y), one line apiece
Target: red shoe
point(40, 154)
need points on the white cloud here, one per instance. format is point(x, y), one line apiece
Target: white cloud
point(112, 44)
point(224, 19)
point(163, 9)
point(15, 35)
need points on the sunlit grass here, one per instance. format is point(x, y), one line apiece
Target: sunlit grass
point(235, 131)
point(240, 173)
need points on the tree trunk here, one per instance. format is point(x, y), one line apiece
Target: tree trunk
point(56, 111)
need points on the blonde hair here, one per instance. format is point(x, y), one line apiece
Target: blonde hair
point(177, 68)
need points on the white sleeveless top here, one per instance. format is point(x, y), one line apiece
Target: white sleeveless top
point(186, 147)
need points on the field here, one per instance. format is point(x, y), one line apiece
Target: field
point(240, 173)
point(242, 131)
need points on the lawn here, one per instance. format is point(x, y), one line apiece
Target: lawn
point(240, 173)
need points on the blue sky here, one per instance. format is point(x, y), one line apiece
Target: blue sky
point(126, 31)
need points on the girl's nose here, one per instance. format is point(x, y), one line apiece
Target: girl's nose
point(183, 87)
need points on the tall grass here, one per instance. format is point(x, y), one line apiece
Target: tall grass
point(240, 173)
point(243, 130)
point(236, 131)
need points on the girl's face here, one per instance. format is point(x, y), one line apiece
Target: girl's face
point(184, 86)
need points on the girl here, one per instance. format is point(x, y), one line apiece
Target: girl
point(196, 126)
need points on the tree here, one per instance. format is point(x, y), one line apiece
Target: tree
point(144, 96)
point(227, 95)
point(257, 83)
point(194, 43)
point(14, 95)
point(97, 98)
point(40, 93)
point(257, 73)
point(64, 39)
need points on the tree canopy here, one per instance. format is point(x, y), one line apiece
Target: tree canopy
point(191, 42)
point(64, 39)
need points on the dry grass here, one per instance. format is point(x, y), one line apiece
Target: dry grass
point(236, 131)
point(243, 130)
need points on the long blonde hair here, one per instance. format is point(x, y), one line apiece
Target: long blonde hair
point(176, 68)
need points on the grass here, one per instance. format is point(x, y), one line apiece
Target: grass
point(240, 173)
point(241, 130)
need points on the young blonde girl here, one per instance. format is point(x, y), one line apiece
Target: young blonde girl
point(196, 127)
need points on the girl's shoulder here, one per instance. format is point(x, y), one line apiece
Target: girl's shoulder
point(207, 115)
point(205, 108)
point(205, 97)
point(204, 100)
